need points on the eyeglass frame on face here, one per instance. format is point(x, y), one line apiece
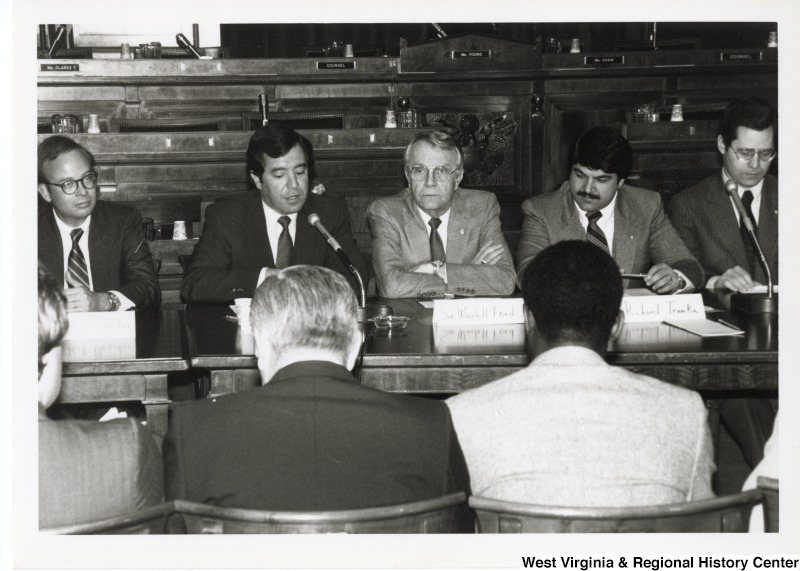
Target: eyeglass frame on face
point(439, 174)
point(755, 152)
point(64, 185)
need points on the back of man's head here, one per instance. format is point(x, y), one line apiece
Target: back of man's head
point(603, 148)
point(574, 291)
point(53, 326)
point(53, 147)
point(275, 140)
point(307, 308)
point(753, 113)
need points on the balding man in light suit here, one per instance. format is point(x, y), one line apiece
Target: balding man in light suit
point(435, 238)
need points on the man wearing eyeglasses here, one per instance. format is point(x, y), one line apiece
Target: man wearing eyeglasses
point(97, 249)
point(705, 216)
point(435, 238)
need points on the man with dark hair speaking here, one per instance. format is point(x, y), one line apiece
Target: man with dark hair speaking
point(269, 228)
point(569, 429)
point(311, 438)
point(596, 205)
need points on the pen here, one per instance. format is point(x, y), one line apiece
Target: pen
point(139, 246)
point(731, 325)
point(232, 318)
point(634, 276)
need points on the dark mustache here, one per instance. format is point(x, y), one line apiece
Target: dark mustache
point(585, 194)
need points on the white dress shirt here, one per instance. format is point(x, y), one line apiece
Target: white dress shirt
point(83, 243)
point(445, 218)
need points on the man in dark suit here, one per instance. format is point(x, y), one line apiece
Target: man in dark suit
point(96, 248)
point(705, 216)
point(707, 220)
point(596, 205)
point(269, 229)
point(311, 438)
point(435, 237)
point(88, 470)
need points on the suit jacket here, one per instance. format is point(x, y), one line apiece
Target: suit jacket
point(312, 439)
point(400, 239)
point(118, 252)
point(234, 247)
point(643, 235)
point(703, 216)
point(91, 470)
point(571, 430)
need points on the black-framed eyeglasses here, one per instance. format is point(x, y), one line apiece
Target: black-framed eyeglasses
point(439, 173)
point(69, 186)
point(745, 155)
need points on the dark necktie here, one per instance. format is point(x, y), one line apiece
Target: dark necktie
point(284, 259)
point(747, 200)
point(77, 272)
point(594, 234)
point(437, 248)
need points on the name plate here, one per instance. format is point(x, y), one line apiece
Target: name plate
point(509, 338)
point(483, 311)
point(639, 309)
point(741, 56)
point(595, 60)
point(470, 54)
point(60, 67)
point(87, 350)
point(101, 325)
point(335, 65)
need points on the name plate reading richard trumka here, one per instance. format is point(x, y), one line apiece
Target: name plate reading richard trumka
point(477, 311)
point(101, 325)
point(660, 307)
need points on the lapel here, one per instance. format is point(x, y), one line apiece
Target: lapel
point(627, 234)
point(257, 223)
point(51, 250)
point(723, 221)
point(458, 228)
point(768, 217)
point(309, 245)
point(570, 228)
point(100, 249)
point(415, 229)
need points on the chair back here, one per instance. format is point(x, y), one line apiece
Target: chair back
point(153, 520)
point(447, 514)
point(726, 514)
point(769, 487)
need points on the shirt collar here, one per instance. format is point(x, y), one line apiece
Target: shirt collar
point(63, 228)
point(756, 190)
point(272, 216)
point(427, 217)
point(607, 212)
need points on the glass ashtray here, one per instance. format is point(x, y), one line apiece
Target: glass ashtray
point(390, 322)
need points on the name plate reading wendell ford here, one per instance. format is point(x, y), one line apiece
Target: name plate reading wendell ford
point(335, 65)
point(660, 307)
point(480, 311)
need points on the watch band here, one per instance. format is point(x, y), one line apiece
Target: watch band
point(113, 301)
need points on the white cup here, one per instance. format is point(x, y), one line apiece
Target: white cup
point(242, 308)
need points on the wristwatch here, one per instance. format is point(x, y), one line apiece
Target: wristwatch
point(436, 265)
point(681, 282)
point(113, 301)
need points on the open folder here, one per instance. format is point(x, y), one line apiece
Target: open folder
point(704, 327)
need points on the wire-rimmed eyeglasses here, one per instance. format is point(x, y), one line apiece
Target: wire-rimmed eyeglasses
point(442, 173)
point(745, 155)
point(69, 186)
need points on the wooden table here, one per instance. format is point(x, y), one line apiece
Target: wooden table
point(422, 359)
point(117, 373)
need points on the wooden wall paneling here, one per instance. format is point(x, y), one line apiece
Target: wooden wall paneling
point(106, 101)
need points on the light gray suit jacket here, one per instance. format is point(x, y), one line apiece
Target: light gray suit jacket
point(703, 216)
point(400, 240)
point(571, 430)
point(643, 236)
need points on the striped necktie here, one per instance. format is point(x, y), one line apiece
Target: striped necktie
point(747, 201)
point(77, 272)
point(593, 232)
point(437, 248)
point(284, 244)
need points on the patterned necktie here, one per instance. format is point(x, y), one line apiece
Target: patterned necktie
point(437, 248)
point(594, 234)
point(77, 272)
point(284, 244)
point(747, 200)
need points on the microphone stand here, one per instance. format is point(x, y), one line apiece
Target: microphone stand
point(752, 302)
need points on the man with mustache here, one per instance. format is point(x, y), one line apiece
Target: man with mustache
point(627, 222)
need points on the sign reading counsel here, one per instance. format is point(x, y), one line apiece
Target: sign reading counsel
point(335, 65)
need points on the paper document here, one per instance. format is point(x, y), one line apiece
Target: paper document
point(704, 327)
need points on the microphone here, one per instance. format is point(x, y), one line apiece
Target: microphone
point(314, 220)
point(188, 48)
point(767, 305)
point(60, 35)
point(264, 104)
